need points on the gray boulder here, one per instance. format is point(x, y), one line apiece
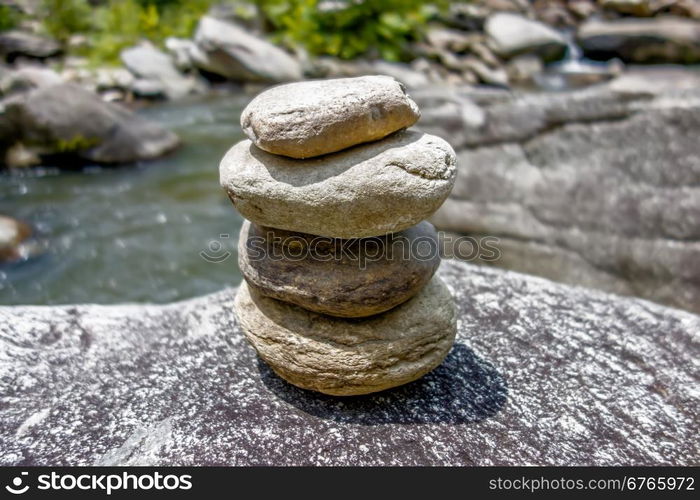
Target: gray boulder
point(14, 44)
point(541, 374)
point(596, 187)
point(661, 39)
point(68, 119)
point(180, 50)
point(112, 79)
point(518, 117)
point(638, 8)
point(28, 78)
point(148, 63)
point(330, 67)
point(230, 51)
point(12, 234)
point(646, 8)
point(148, 89)
point(512, 34)
point(402, 72)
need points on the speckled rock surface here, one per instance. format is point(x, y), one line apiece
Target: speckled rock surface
point(342, 278)
point(541, 373)
point(313, 118)
point(368, 190)
point(349, 357)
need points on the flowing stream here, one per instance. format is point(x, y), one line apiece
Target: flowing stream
point(132, 233)
point(574, 70)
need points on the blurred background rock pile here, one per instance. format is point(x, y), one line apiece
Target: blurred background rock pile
point(575, 123)
point(169, 48)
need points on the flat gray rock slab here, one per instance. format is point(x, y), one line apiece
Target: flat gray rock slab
point(541, 374)
point(597, 187)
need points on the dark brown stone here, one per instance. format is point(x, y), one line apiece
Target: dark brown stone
point(345, 278)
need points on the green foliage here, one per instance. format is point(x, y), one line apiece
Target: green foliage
point(347, 29)
point(342, 28)
point(9, 17)
point(76, 143)
point(120, 23)
point(63, 18)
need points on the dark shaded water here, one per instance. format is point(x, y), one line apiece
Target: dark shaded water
point(134, 232)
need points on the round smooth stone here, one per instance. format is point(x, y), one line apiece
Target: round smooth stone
point(313, 118)
point(346, 357)
point(369, 190)
point(345, 278)
point(12, 234)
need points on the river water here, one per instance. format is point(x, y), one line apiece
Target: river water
point(148, 232)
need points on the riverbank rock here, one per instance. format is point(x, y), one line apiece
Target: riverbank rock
point(654, 40)
point(541, 374)
point(181, 50)
point(616, 165)
point(330, 67)
point(306, 119)
point(648, 8)
point(148, 63)
point(511, 35)
point(342, 358)
point(638, 8)
point(338, 277)
point(15, 44)
point(368, 190)
point(69, 120)
point(27, 78)
point(502, 117)
point(12, 234)
point(230, 51)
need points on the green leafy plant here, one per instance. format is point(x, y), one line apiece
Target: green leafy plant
point(341, 28)
point(9, 17)
point(122, 23)
point(350, 28)
point(76, 143)
point(63, 18)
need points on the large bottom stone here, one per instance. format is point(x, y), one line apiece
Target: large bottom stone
point(346, 357)
point(345, 278)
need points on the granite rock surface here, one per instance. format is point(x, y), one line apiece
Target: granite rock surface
point(597, 187)
point(541, 373)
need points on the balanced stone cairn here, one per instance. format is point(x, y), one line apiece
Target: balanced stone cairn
point(339, 294)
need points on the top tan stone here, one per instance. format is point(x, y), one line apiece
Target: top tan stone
point(307, 119)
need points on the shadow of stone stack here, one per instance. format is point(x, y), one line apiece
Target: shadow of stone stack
point(340, 295)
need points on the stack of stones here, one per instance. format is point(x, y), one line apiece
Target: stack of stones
point(339, 293)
